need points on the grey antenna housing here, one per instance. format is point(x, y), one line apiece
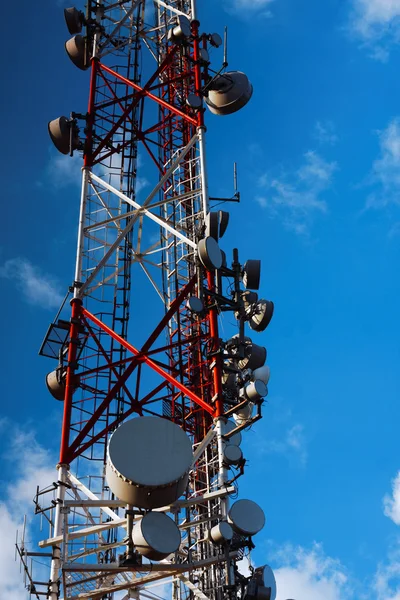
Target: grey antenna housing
point(194, 101)
point(60, 134)
point(229, 93)
point(262, 585)
point(221, 533)
point(181, 31)
point(223, 222)
point(76, 50)
point(246, 517)
point(212, 225)
point(209, 253)
point(232, 455)
point(74, 19)
point(215, 40)
point(255, 356)
point(195, 304)
point(262, 373)
point(204, 57)
point(252, 274)
point(255, 390)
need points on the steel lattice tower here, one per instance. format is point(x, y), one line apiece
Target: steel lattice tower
point(150, 78)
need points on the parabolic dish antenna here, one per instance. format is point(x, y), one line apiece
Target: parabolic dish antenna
point(148, 462)
point(246, 517)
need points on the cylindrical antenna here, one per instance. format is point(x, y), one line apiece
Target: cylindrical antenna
point(235, 187)
point(226, 46)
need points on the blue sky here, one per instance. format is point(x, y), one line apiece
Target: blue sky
point(318, 153)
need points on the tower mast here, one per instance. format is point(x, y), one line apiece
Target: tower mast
point(152, 418)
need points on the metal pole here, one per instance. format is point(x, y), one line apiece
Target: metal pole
point(54, 582)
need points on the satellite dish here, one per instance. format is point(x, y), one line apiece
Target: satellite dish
point(246, 517)
point(251, 274)
point(74, 19)
point(161, 474)
point(156, 536)
point(60, 134)
point(229, 92)
point(209, 253)
point(76, 50)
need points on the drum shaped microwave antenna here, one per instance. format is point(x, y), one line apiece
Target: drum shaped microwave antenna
point(61, 135)
point(156, 536)
point(76, 50)
point(161, 474)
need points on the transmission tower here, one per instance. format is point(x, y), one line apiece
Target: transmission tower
point(150, 455)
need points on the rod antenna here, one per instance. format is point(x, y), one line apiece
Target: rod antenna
point(225, 47)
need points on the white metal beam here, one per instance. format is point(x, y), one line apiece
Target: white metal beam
point(141, 209)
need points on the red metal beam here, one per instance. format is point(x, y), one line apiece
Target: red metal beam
point(174, 382)
point(145, 92)
point(118, 420)
point(75, 449)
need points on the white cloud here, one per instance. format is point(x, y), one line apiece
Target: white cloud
point(290, 443)
point(32, 466)
point(325, 133)
point(246, 8)
point(36, 287)
point(310, 575)
point(377, 24)
point(63, 171)
point(391, 503)
point(385, 173)
point(386, 580)
point(296, 198)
